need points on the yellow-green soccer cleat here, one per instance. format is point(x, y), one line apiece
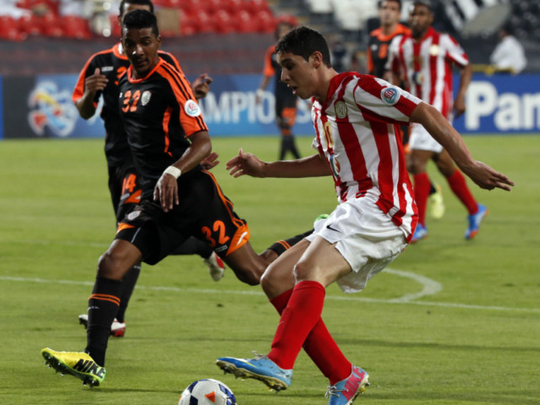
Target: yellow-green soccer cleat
point(78, 364)
point(437, 203)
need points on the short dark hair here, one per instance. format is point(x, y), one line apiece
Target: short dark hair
point(379, 4)
point(304, 41)
point(425, 3)
point(138, 2)
point(141, 19)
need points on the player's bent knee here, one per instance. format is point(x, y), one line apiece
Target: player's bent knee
point(248, 276)
point(302, 271)
point(113, 266)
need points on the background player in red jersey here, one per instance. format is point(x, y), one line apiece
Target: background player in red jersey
point(99, 78)
point(356, 120)
point(285, 100)
point(377, 58)
point(424, 60)
point(168, 139)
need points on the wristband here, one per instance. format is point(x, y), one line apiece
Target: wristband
point(173, 171)
point(259, 92)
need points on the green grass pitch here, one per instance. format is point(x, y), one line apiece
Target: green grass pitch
point(452, 322)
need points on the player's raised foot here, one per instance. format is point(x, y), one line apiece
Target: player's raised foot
point(78, 364)
point(260, 368)
point(419, 234)
point(118, 329)
point(321, 217)
point(436, 203)
point(216, 267)
point(475, 220)
point(346, 391)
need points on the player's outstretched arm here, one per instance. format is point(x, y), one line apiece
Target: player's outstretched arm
point(443, 132)
point(251, 165)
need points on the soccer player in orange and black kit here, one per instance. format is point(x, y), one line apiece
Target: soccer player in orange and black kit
point(284, 97)
point(99, 77)
point(377, 57)
point(168, 139)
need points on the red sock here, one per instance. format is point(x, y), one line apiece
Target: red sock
point(297, 320)
point(422, 186)
point(320, 346)
point(461, 190)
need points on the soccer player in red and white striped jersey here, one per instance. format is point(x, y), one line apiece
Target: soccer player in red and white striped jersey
point(358, 142)
point(424, 59)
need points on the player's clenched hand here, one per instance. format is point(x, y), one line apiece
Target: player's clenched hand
point(96, 82)
point(201, 86)
point(459, 106)
point(245, 163)
point(488, 178)
point(166, 192)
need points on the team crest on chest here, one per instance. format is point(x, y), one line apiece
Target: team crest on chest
point(390, 95)
point(145, 98)
point(192, 108)
point(341, 109)
point(434, 50)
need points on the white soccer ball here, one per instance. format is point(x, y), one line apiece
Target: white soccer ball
point(207, 392)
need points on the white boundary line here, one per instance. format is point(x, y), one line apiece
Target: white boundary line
point(430, 288)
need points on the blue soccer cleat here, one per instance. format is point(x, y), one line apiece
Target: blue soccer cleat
point(420, 233)
point(346, 391)
point(260, 368)
point(474, 221)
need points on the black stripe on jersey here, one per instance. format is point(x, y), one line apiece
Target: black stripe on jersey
point(169, 58)
point(181, 84)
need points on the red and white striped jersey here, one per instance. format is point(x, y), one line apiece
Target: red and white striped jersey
point(426, 67)
point(357, 130)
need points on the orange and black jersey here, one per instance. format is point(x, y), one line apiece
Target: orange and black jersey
point(113, 64)
point(272, 68)
point(377, 51)
point(159, 113)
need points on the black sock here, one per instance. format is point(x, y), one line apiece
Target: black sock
point(102, 307)
point(282, 245)
point(291, 146)
point(432, 189)
point(128, 285)
point(194, 246)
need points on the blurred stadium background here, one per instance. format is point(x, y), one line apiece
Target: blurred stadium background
point(45, 43)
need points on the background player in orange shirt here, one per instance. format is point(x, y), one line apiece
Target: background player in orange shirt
point(285, 99)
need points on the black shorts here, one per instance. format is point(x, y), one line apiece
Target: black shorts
point(285, 111)
point(204, 212)
point(124, 188)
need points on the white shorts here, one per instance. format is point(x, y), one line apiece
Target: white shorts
point(364, 236)
point(419, 138)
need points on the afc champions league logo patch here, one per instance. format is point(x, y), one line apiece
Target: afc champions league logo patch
point(145, 98)
point(133, 214)
point(390, 95)
point(341, 109)
point(335, 166)
point(192, 108)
